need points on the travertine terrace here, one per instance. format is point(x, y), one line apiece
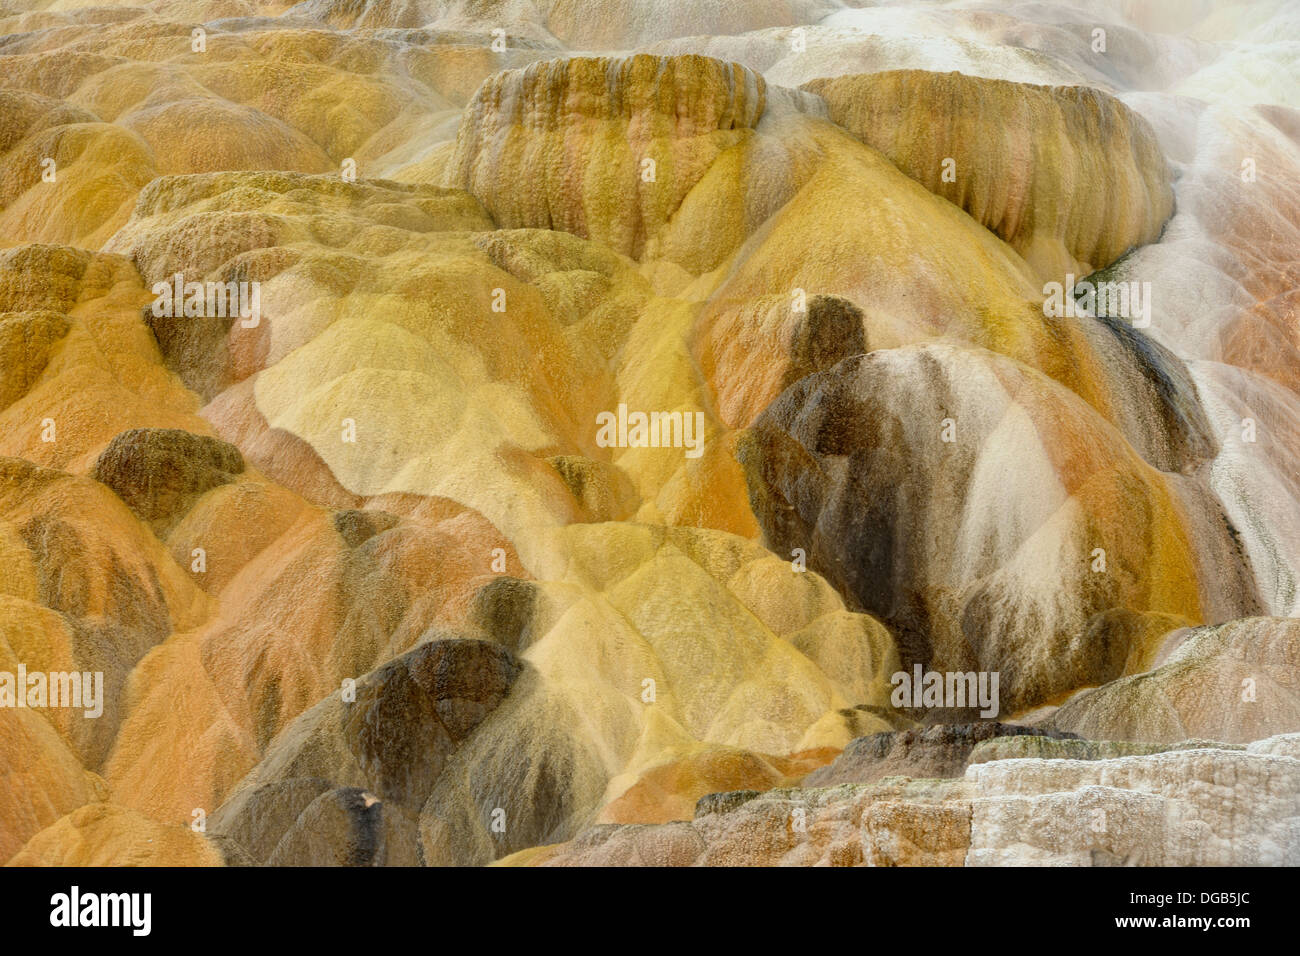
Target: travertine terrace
point(684, 432)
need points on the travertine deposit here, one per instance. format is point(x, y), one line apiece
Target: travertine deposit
point(603, 432)
point(1024, 161)
point(1199, 805)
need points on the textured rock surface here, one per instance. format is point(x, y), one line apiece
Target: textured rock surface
point(1235, 682)
point(939, 751)
point(344, 782)
point(661, 660)
point(1201, 806)
point(828, 463)
point(1069, 176)
point(369, 583)
point(613, 148)
point(100, 834)
point(160, 473)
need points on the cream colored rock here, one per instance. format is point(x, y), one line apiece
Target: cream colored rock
point(1195, 807)
point(1234, 682)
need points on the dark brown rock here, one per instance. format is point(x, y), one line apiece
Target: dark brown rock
point(161, 472)
point(938, 751)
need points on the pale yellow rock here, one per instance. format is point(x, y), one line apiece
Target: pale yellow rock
point(644, 643)
point(1069, 176)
